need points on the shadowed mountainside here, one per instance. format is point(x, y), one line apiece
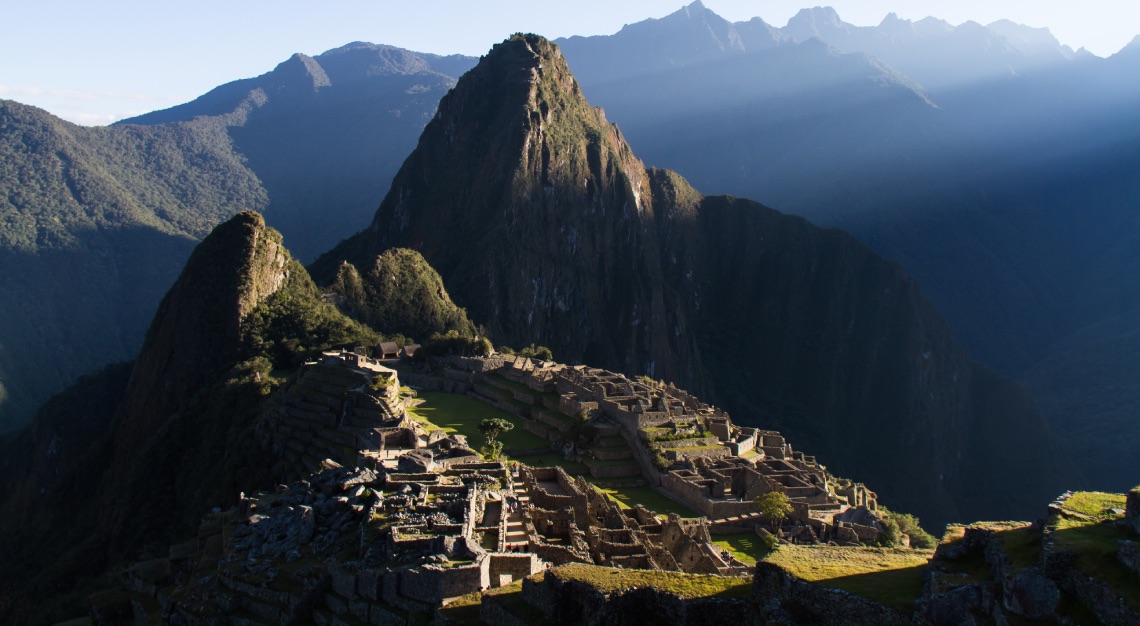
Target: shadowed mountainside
point(97, 224)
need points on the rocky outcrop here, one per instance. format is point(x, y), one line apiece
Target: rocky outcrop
point(543, 223)
point(1129, 555)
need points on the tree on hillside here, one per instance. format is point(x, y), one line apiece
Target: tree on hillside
point(491, 429)
point(773, 507)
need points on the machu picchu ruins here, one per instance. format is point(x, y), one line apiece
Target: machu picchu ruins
point(382, 515)
point(416, 516)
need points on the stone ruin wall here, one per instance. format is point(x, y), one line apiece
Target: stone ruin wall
point(432, 583)
point(1132, 509)
point(694, 497)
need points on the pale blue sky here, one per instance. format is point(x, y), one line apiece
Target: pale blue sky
point(95, 62)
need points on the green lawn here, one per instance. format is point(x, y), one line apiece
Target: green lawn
point(891, 576)
point(629, 497)
point(1095, 503)
point(1022, 545)
point(748, 547)
point(456, 413)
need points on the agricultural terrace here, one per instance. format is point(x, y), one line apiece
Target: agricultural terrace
point(460, 414)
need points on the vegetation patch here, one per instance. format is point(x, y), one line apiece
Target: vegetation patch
point(1095, 504)
point(891, 576)
point(462, 610)
point(1022, 545)
point(608, 580)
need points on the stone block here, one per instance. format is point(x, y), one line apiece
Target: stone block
point(359, 609)
point(344, 582)
point(1128, 553)
point(368, 583)
point(336, 603)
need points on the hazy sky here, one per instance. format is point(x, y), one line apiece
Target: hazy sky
point(95, 62)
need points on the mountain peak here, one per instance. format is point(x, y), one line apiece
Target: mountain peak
point(198, 324)
point(301, 71)
point(815, 22)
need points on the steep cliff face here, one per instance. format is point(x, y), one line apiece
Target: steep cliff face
point(545, 225)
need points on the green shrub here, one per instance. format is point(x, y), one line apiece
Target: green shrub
point(453, 343)
point(536, 352)
point(919, 538)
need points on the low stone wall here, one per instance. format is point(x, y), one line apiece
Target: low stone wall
point(517, 566)
point(435, 383)
point(704, 453)
point(572, 602)
point(693, 496)
point(681, 443)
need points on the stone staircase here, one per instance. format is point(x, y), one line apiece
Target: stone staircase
point(515, 530)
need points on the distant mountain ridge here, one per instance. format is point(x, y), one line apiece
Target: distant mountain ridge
point(325, 132)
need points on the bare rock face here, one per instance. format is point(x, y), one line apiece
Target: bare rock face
point(545, 226)
point(1132, 509)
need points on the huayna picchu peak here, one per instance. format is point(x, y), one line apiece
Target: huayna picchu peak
point(546, 227)
point(715, 413)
